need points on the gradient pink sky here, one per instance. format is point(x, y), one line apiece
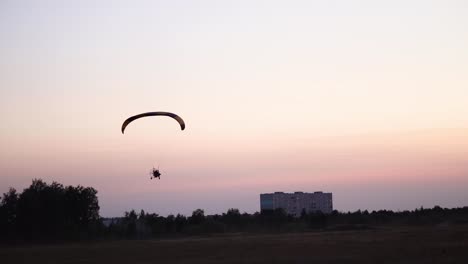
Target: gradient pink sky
point(365, 99)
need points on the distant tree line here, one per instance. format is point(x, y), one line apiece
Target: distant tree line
point(147, 225)
point(45, 212)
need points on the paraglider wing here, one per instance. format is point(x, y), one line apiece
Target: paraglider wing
point(132, 118)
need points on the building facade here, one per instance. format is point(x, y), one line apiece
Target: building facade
point(295, 203)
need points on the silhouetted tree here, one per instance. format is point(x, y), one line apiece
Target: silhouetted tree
point(233, 217)
point(8, 211)
point(198, 216)
point(130, 222)
point(317, 219)
point(45, 211)
point(9, 203)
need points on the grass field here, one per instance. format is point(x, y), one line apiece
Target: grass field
point(441, 244)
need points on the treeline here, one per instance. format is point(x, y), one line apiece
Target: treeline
point(45, 212)
point(52, 212)
point(147, 225)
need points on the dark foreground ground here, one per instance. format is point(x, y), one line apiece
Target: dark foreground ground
point(435, 244)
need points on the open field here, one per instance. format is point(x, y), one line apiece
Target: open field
point(441, 244)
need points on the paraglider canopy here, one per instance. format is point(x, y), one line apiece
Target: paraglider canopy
point(155, 173)
point(132, 118)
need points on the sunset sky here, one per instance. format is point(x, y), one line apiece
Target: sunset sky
point(364, 99)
